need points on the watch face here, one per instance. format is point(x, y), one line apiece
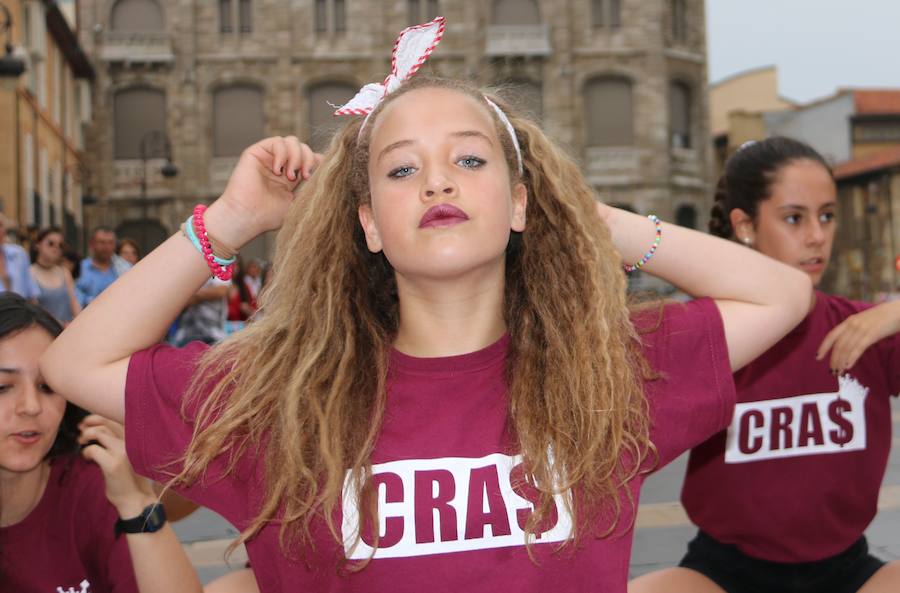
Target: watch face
point(155, 519)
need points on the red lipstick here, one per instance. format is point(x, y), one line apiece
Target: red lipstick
point(442, 215)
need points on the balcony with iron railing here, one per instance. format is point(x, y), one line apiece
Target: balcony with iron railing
point(517, 40)
point(137, 47)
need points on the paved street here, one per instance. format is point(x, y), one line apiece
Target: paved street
point(661, 536)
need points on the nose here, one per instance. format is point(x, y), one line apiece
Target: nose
point(28, 401)
point(438, 184)
point(815, 232)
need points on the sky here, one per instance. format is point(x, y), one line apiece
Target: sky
point(817, 45)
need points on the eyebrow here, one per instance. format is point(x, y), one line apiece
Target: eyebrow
point(462, 134)
point(804, 208)
point(9, 371)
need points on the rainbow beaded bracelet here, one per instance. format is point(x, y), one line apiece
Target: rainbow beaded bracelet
point(640, 263)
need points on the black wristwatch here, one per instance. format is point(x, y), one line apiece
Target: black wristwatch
point(150, 520)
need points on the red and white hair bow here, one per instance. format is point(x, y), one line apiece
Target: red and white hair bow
point(411, 49)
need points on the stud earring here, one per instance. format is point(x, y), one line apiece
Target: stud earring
point(747, 241)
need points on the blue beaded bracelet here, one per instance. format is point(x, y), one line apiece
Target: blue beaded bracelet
point(640, 263)
point(192, 235)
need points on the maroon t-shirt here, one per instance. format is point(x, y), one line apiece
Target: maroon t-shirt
point(67, 543)
point(795, 478)
point(451, 509)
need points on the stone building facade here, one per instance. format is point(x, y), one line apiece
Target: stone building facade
point(619, 83)
point(42, 116)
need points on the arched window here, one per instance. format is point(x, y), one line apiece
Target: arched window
point(680, 115)
point(322, 123)
point(137, 15)
point(686, 216)
point(237, 119)
point(136, 112)
point(608, 106)
point(515, 12)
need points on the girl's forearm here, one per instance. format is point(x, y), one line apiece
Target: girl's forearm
point(88, 361)
point(703, 265)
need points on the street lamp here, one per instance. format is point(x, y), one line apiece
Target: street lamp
point(10, 65)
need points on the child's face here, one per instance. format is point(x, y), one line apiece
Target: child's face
point(441, 199)
point(30, 412)
point(796, 224)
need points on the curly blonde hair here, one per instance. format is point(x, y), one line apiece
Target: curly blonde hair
point(305, 383)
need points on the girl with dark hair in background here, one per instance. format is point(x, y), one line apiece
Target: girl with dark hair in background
point(783, 497)
point(59, 509)
point(128, 250)
point(57, 287)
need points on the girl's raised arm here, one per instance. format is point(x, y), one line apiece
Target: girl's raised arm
point(88, 362)
point(760, 299)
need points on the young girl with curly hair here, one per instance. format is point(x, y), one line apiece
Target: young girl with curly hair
point(447, 388)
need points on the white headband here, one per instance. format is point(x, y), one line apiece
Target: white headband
point(411, 49)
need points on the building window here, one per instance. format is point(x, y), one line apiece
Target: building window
point(686, 216)
point(136, 112)
point(680, 115)
point(322, 123)
point(877, 130)
point(331, 16)
point(137, 15)
point(679, 20)
point(608, 106)
point(515, 12)
point(606, 14)
point(246, 16)
point(238, 119)
point(422, 11)
point(235, 15)
point(226, 23)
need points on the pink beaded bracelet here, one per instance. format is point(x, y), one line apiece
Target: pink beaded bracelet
point(640, 263)
point(222, 272)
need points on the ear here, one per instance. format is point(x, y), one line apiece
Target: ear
point(367, 221)
point(519, 203)
point(742, 223)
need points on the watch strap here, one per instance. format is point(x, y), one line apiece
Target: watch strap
point(151, 519)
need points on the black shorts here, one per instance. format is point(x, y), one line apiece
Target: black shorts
point(735, 572)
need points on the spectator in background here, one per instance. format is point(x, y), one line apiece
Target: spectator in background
point(102, 268)
point(204, 317)
point(128, 250)
point(54, 281)
point(253, 277)
point(14, 263)
point(241, 305)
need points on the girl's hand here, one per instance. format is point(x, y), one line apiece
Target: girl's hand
point(126, 491)
point(260, 189)
point(851, 338)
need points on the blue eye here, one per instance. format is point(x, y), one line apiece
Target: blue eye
point(826, 217)
point(400, 172)
point(471, 162)
point(792, 218)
